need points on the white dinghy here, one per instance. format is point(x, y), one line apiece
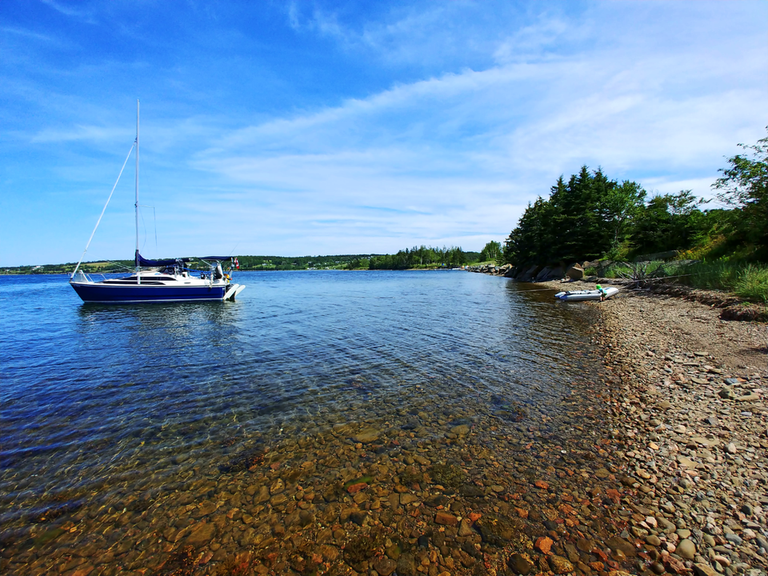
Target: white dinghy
point(582, 295)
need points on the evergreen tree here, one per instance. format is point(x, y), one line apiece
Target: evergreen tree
point(582, 219)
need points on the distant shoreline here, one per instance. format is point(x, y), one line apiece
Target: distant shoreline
point(436, 269)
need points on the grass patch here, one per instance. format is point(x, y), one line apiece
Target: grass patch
point(752, 283)
point(744, 279)
point(642, 271)
point(748, 281)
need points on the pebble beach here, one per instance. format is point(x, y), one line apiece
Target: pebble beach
point(690, 415)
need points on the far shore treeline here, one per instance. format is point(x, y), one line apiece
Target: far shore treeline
point(417, 257)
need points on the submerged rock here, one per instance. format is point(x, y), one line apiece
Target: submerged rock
point(243, 461)
point(498, 530)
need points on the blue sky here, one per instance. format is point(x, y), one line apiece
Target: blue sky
point(306, 128)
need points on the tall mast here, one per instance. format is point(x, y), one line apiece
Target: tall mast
point(137, 192)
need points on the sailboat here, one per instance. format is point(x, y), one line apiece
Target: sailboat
point(168, 280)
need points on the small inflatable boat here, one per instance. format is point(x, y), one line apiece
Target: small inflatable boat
point(581, 295)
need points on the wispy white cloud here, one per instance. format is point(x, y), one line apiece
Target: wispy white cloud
point(81, 133)
point(448, 33)
point(536, 41)
point(29, 34)
point(670, 185)
point(78, 12)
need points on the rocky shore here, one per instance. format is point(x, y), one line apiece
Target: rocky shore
point(691, 424)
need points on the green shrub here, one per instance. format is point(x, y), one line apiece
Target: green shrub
point(718, 275)
point(748, 281)
point(638, 271)
point(617, 271)
point(752, 283)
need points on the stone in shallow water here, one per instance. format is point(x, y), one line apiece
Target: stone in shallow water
point(544, 544)
point(560, 565)
point(406, 499)
point(465, 528)
point(385, 566)
point(406, 565)
point(498, 530)
point(245, 460)
point(262, 495)
point(520, 564)
point(618, 543)
point(446, 519)
point(278, 500)
point(367, 436)
point(202, 534)
point(448, 475)
point(585, 545)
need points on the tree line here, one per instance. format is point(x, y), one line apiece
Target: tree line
point(591, 216)
point(337, 261)
point(422, 257)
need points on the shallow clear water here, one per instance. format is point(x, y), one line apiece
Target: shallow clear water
point(100, 401)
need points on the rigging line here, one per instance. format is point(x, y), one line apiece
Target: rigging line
point(143, 229)
point(103, 210)
point(154, 220)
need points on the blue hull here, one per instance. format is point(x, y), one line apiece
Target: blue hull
point(106, 294)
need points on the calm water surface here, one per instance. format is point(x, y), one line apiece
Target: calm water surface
point(99, 401)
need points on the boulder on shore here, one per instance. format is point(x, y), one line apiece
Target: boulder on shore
point(529, 274)
point(550, 273)
point(575, 272)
